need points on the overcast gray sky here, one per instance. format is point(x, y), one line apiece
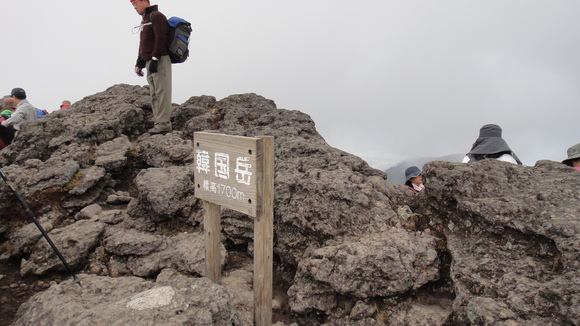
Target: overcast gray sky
point(385, 80)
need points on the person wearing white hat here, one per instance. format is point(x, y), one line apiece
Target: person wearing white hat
point(573, 159)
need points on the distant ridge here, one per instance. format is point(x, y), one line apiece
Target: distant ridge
point(396, 173)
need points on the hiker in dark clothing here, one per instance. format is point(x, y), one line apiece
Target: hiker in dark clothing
point(154, 56)
point(6, 134)
point(491, 145)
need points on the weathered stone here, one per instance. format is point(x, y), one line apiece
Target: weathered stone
point(362, 310)
point(113, 216)
point(422, 314)
point(74, 242)
point(172, 300)
point(119, 199)
point(129, 242)
point(22, 240)
point(380, 264)
point(164, 193)
point(89, 212)
point(165, 150)
point(514, 235)
point(240, 284)
point(184, 252)
point(112, 155)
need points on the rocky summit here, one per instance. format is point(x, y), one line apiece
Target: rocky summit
point(488, 243)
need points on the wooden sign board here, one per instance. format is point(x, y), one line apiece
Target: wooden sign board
point(238, 173)
point(226, 170)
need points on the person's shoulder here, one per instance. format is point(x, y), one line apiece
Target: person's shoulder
point(158, 15)
point(507, 157)
point(28, 106)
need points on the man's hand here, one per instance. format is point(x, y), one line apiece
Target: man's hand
point(153, 66)
point(139, 71)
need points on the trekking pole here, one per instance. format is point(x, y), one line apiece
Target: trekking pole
point(31, 215)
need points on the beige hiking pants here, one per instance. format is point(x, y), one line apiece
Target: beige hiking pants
point(160, 90)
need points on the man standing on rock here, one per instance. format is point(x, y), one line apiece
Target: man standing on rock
point(154, 56)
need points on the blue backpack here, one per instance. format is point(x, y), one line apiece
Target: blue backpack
point(40, 113)
point(178, 40)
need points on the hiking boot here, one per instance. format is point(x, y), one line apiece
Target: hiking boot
point(155, 131)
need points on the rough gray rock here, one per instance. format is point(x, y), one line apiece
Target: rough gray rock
point(22, 240)
point(132, 252)
point(362, 310)
point(124, 242)
point(184, 252)
point(514, 235)
point(422, 314)
point(240, 284)
point(172, 299)
point(378, 265)
point(121, 199)
point(74, 242)
point(89, 212)
point(165, 150)
point(164, 193)
point(112, 155)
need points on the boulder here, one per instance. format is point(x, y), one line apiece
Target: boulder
point(514, 234)
point(22, 240)
point(378, 265)
point(75, 242)
point(164, 193)
point(173, 299)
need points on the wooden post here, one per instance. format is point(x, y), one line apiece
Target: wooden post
point(264, 234)
point(211, 226)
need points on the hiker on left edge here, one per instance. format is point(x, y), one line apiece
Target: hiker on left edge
point(24, 110)
point(154, 56)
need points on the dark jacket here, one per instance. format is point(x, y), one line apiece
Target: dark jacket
point(153, 38)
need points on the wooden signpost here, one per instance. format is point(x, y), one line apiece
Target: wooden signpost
point(238, 173)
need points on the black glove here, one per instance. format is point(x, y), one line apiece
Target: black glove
point(140, 63)
point(153, 66)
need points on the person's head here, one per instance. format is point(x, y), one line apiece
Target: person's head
point(490, 130)
point(8, 103)
point(140, 6)
point(6, 114)
point(18, 94)
point(573, 156)
point(413, 176)
point(65, 104)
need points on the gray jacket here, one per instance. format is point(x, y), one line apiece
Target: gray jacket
point(24, 112)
